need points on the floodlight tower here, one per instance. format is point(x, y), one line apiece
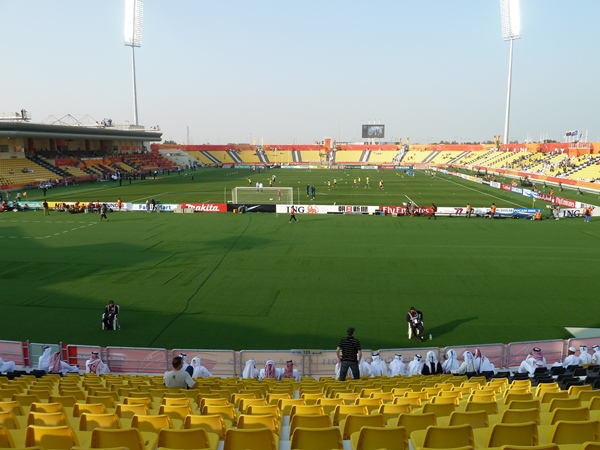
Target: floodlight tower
point(511, 30)
point(134, 10)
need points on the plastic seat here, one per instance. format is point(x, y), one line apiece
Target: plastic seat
point(477, 419)
point(175, 412)
point(46, 407)
point(6, 440)
point(127, 411)
point(62, 437)
point(525, 433)
point(413, 422)
point(106, 400)
point(311, 398)
point(268, 409)
point(175, 401)
point(565, 432)
point(371, 403)
point(285, 404)
point(8, 420)
point(445, 437)
point(128, 437)
point(213, 423)
point(92, 408)
point(249, 421)
point(367, 438)
point(521, 415)
point(194, 438)
point(525, 404)
point(249, 439)
point(87, 421)
point(138, 401)
point(341, 411)
point(235, 398)
point(226, 411)
point(531, 447)
point(489, 407)
point(391, 411)
point(310, 421)
point(354, 422)
point(570, 414)
point(564, 403)
point(412, 401)
point(151, 423)
point(306, 410)
point(547, 397)
point(244, 403)
point(47, 419)
point(437, 400)
point(511, 396)
point(13, 407)
point(67, 401)
point(316, 439)
point(439, 409)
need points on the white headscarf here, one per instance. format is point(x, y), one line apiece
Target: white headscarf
point(397, 366)
point(199, 370)
point(451, 364)
point(415, 367)
point(584, 356)
point(431, 361)
point(364, 368)
point(44, 361)
point(378, 366)
point(468, 357)
point(596, 355)
point(250, 371)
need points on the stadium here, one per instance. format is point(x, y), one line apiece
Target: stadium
point(494, 241)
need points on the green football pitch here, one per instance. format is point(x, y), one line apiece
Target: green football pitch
point(255, 281)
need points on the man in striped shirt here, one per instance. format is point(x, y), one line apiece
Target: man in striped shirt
point(349, 353)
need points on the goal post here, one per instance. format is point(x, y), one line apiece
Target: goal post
point(264, 195)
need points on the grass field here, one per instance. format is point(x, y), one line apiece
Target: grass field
point(255, 281)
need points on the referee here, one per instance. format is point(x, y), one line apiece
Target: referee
point(349, 353)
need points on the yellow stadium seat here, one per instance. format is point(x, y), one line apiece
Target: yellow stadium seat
point(570, 414)
point(226, 411)
point(92, 408)
point(66, 401)
point(521, 415)
point(310, 421)
point(151, 423)
point(47, 419)
point(213, 423)
point(391, 411)
point(565, 432)
point(477, 419)
point(61, 437)
point(127, 411)
point(395, 438)
point(564, 403)
point(247, 439)
point(489, 407)
point(108, 438)
point(250, 421)
point(195, 438)
point(12, 406)
point(316, 439)
point(8, 420)
point(268, 409)
point(413, 422)
point(6, 440)
point(175, 412)
point(444, 437)
point(354, 422)
point(341, 411)
point(439, 409)
point(88, 422)
point(525, 433)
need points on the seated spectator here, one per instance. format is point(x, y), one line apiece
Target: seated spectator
point(250, 371)
point(364, 368)
point(596, 355)
point(189, 369)
point(415, 367)
point(533, 361)
point(468, 365)
point(290, 372)
point(571, 359)
point(378, 366)
point(178, 377)
point(44, 360)
point(482, 364)
point(110, 313)
point(432, 366)
point(270, 371)
point(7, 366)
point(199, 370)
point(57, 365)
point(451, 363)
point(95, 365)
point(584, 357)
point(397, 367)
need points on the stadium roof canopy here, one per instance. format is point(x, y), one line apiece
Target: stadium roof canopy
point(42, 131)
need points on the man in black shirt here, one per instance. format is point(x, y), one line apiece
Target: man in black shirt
point(349, 353)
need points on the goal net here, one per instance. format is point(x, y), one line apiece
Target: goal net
point(265, 195)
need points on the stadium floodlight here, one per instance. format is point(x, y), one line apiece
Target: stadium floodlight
point(134, 10)
point(511, 29)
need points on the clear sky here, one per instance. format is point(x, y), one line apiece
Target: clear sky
point(301, 70)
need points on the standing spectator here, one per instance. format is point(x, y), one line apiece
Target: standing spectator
point(178, 377)
point(469, 210)
point(348, 353)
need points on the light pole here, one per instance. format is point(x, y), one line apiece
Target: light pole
point(134, 10)
point(511, 29)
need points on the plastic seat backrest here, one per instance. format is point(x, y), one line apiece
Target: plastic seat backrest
point(212, 423)
point(92, 408)
point(449, 437)
point(176, 411)
point(151, 423)
point(6, 440)
point(547, 397)
point(50, 437)
point(306, 410)
point(264, 409)
point(489, 407)
point(47, 407)
point(12, 406)
point(511, 396)
point(193, 438)
point(341, 411)
point(249, 421)
point(376, 437)
point(477, 419)
point(8, 420)
point(564, 403)
point(570, 414)
point(127, 437)
point(567, 432)
point(524, 433)
point(254, 438)
point(106, 400)
point(525, 404)
point(226, 411)
point(88, 422)
point(245, 402)
point(47, 419)
point(316, 439)
point(127, 411)
point(439, 409)
point(65, 400)
point(310, 421)
point(354, 422)
point(521, 415)
point(414, 422)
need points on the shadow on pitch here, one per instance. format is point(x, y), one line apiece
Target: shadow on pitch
point(448, 327)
